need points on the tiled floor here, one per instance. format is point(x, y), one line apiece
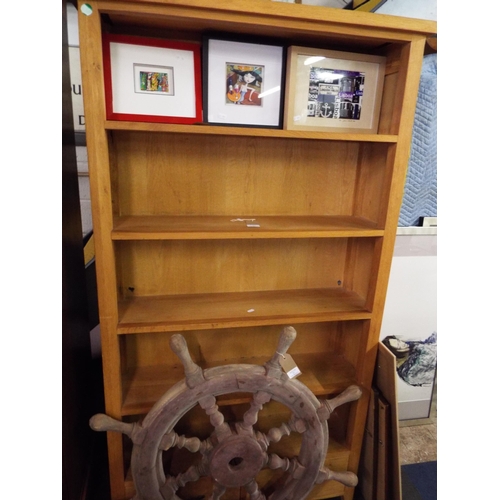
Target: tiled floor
point(418, 438)
point(418, 444)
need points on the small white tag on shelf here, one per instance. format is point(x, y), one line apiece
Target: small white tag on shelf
point(253, 225)
point(289, 366)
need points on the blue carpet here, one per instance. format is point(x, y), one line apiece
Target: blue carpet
point(419, 481)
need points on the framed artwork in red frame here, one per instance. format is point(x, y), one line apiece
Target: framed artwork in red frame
point(152, 80)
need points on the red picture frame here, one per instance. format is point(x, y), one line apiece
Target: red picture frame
point(152, 80)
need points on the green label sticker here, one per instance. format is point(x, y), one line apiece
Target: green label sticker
point(86, 9)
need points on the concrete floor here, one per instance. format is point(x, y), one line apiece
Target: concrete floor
point(418, 438)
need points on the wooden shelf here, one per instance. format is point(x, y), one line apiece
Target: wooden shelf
point(165, 227)
point(324, 374)
point(228, 310)
point(206, 129)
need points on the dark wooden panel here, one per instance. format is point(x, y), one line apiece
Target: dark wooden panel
point(79, 377)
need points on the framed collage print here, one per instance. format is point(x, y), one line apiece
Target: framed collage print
point(333, 91)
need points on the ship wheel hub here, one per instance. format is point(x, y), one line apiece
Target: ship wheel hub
point(236, 461)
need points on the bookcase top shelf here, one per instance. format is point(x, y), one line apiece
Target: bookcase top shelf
point(267, 18)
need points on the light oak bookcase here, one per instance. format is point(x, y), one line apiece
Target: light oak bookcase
point(169, 260)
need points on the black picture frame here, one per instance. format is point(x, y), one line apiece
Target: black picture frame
point(226, 58)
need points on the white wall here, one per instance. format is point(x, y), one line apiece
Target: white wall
point(411, 304)
point(420, 9)
point(411, 308)
point(72, 15)
point(81, 151)
point(84, 187)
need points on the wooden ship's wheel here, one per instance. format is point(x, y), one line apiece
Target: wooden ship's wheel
point(233, 455)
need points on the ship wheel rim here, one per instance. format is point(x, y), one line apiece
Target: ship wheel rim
point(148, 473)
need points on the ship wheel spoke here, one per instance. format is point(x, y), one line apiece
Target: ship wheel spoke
point(192, 444)
point(290, 465)
point(253, 491)
point(194, 378)
point(345, 477)
point(252, 414)
point(221, 427)
point(276, 433)
point(217, 492)
point(172, 484)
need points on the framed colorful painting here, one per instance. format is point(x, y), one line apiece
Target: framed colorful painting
point(333, 91)
point(152, 80)
point(243, 82)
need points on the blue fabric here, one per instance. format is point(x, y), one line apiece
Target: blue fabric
point(420, 195)
point(423, 478)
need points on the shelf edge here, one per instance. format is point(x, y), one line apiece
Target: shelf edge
point(207, 129)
